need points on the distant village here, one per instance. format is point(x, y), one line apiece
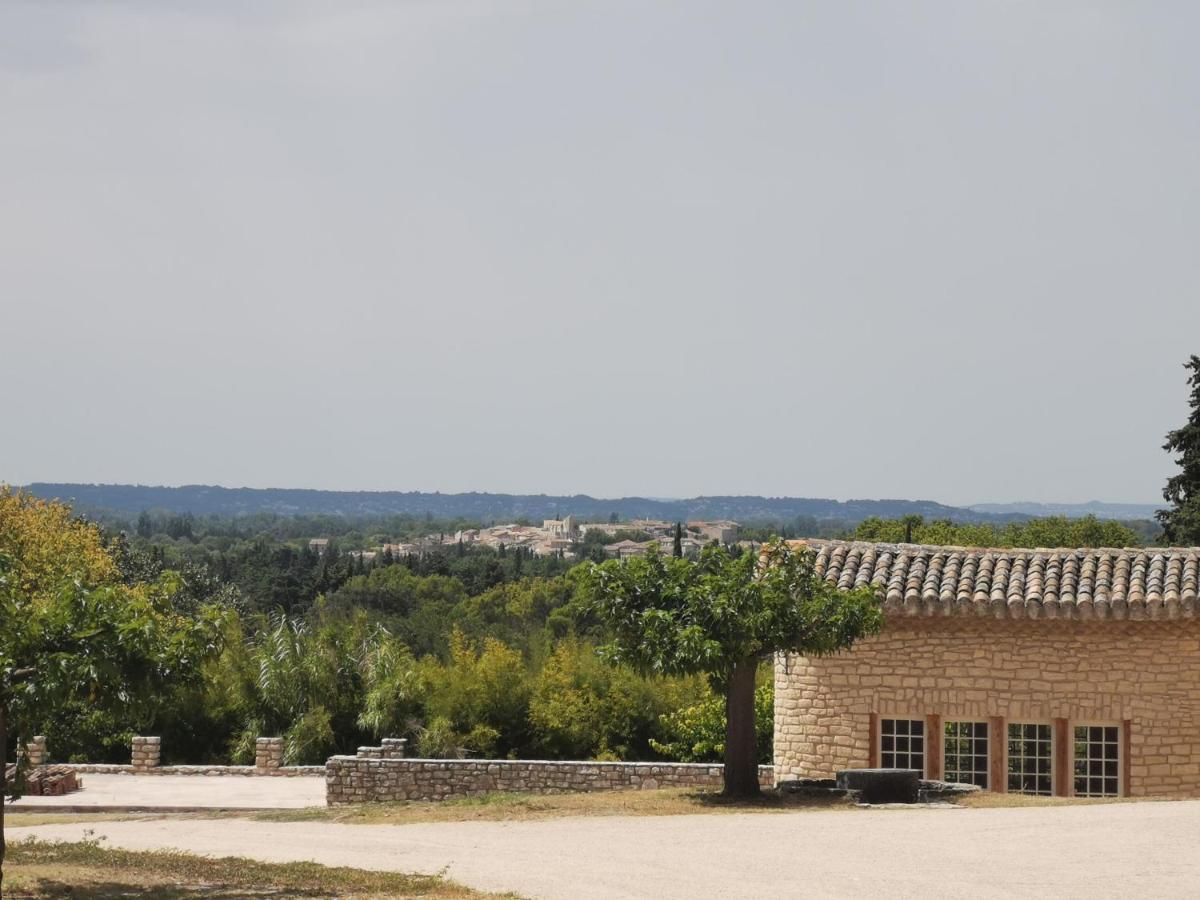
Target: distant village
point(564, 538)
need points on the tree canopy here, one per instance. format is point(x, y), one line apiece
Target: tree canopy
point(1050, 531)
point(719, 615)
point(1181, 523)
point(74, 631)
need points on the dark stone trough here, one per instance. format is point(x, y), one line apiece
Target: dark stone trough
point(882, 785)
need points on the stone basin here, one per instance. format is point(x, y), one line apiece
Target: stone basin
point(882, 785)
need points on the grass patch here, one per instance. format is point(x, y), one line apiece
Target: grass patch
point(990, 800)
point(510, 807)
point(26, 819)
point(85, 869)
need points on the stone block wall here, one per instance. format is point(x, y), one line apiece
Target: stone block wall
point(146, 752)
point(354, 779)
point(146, 755)
point(268, 752)
point(248, 771)
point(36, 750)
point(1143, 675)
point(390, 748)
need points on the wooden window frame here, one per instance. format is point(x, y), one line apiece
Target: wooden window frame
point(905, 717)
point(1121, 747)
point(1054, 742)
point(972, 720)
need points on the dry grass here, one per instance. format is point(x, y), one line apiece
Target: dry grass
point(26, 819)
point(511, 807)
point(989, 800)
point(85, 869)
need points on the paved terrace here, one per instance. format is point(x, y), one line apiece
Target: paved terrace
point(179, 792)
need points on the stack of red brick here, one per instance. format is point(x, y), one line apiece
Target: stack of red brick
point(45, 781)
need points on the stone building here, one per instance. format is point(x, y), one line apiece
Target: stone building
point(1054, 672)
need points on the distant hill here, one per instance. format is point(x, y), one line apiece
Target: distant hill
point(1097, 508)
point(129, 500)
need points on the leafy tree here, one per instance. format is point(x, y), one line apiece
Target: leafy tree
point(696, 733)
point(516, 613)
point(721, 615)
point(415, 607)
point(73, 631)
point(1181, 523)
point(303, 680)
point(393, 688)
point(483, 692)
point(582, 708)
point(1049, 531)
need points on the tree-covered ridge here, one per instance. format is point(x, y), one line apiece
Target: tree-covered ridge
point(204, 500)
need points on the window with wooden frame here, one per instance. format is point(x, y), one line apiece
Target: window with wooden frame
point(1031, 758)
point(902, 744)
point(965, 753)
point(1097, 761)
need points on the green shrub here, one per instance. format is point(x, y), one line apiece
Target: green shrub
point(697, 733)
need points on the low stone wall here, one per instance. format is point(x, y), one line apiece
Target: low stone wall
point(146, 754)
point(353, 779)
point(116, 769)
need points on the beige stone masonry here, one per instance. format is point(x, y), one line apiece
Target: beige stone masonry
point(36, 751)
point(1143, 673)
point(365, 779)
point(268, 752)
point(146, 752)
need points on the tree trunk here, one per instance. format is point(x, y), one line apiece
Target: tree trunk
point(3, 781)
point(741, 746)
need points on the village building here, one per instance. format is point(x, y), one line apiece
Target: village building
point(1052, 672)
point(629, 549)
point(723, 531)
point(561, 529)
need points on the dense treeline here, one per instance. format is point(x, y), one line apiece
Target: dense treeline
point(469, 651)
point(1051, 531)
point(464, 650)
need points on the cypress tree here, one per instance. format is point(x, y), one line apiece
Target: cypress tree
point(1181, 523)
point(677, 550)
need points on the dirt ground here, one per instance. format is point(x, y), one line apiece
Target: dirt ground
point(1085, 851)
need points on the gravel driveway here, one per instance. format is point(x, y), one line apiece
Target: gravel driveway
point(1117, 850)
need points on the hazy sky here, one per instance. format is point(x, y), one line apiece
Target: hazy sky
point(936, 250)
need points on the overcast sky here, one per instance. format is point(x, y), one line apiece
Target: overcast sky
point(928, 250)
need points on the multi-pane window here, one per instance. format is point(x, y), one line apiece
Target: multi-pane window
point(966, 753)
point(1030, 759)
point(1097, 758)
point(902, 744)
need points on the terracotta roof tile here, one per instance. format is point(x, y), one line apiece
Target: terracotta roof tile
point(1103, 583)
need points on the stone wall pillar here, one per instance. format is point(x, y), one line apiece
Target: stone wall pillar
point(147, 752)
point(36, 751)
point(268, 753)
point(394, 748)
